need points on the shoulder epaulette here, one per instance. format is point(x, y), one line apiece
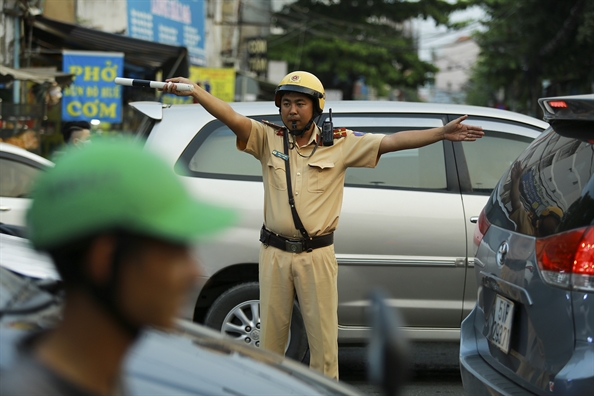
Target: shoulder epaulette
point(339, 132)
point(280, 130)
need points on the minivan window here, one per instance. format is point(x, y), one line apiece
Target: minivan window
point(489, 157)
point(216, 155)
point(422, 168)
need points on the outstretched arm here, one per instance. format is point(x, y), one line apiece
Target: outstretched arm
point(514, 192)
point(239, 124)
point(454, 131)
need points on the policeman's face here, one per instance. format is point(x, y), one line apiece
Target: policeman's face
point(546, 226)
point(296, 107)
point(155, 283)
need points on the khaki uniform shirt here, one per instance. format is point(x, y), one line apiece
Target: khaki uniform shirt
point(523, 222)
point(317, 182)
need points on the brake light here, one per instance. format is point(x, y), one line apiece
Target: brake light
point(566, 260)
point(558, 104)
point(481, 228)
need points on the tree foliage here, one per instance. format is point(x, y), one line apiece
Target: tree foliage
point(534, 48)
point(343, 41)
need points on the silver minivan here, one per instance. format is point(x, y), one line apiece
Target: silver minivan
point(406, 226)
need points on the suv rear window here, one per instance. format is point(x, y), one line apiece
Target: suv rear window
point(557, 180)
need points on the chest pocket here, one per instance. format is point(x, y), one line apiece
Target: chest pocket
point(320, 176)
point(277, 176)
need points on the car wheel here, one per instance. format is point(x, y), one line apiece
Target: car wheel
point(236, 313)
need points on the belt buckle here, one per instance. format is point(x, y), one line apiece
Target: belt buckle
point(293, 246)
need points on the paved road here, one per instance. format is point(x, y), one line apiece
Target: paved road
point(434, 370)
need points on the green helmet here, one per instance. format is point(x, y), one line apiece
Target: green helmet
point(116, 184)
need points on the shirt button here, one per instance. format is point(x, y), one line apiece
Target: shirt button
point(297, 193)
point(298, 174)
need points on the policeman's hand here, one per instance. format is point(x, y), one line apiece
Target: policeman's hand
point(458, 132)
point(170, 88)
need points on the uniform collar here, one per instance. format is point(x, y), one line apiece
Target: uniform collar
point(314, 135)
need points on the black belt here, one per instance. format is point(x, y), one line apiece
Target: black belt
point(295, 245)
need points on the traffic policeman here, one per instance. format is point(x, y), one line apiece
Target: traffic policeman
point(303, 172)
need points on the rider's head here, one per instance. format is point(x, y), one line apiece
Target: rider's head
point(119, 223)
point(76, 132)
point(303, 83)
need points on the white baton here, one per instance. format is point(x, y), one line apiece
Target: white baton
point(134, 82)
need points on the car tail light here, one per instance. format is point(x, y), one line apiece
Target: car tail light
point(558, 104)
point(481, 228)
point(566, 260)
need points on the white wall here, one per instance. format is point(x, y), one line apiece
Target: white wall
point(105, 15)
point(454, 63)
point(7, 34)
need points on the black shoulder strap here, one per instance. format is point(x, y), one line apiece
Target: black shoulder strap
point(296, 219)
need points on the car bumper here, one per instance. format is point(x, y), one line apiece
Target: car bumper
point(480, 378)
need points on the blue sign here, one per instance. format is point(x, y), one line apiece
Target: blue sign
point(93, 94)
point(173, 22)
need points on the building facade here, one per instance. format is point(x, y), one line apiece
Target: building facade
point(455, 62)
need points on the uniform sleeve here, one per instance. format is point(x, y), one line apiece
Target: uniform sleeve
point(523, 223)
point(361, 149)
point(256, 141)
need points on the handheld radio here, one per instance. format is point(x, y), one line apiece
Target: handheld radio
point(328, 131)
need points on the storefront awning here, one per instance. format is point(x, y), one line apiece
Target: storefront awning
point(37, 75)
point(55, 36)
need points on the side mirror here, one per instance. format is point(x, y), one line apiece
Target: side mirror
point(388, 350)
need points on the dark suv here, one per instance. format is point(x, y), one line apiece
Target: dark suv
point(532, 329)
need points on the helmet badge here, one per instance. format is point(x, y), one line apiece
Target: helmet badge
point(295, 78)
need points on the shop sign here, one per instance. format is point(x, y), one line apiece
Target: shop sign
point(257, 49)
point(173, 22)
point(92, 94)
point(220, 82)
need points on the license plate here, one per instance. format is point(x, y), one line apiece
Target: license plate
point(502, 322)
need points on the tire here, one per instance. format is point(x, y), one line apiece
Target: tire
point(236, 313)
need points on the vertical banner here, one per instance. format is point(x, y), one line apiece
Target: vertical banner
point(174, 22)
point(93, 94)
point(257, 50)
point(219, 82)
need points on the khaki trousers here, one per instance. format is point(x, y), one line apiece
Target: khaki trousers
point(313, 276)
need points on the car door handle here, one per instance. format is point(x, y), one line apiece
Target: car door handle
point(474, 219)
point(4, 208)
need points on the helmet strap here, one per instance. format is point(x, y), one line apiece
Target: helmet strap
point(106, 295)
point(299, 132)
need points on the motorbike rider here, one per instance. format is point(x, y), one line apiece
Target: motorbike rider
point(118, 224)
